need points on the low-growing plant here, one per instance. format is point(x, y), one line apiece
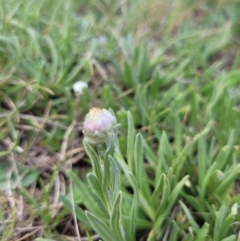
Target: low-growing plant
point(117, 211)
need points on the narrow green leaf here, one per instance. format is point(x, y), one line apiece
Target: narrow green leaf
point(97, 187)
point(195, 203)
point(194, 108)
point(165, 196)
point(28, 197)
point(115, 177)
point(140, 223)
point(174, 194)
point(202, 159)
point(75, 71)
point(130, 141)
point(178, 164)
point(178, 135)
point(80, 214)
point(149, 153)
point(182, 156)
point(158, 189)
point(94, 160)
point(203, 232)
point(106, 175)
point(141, 103)
point(138, 159)
point(208, 175)
point(223, 157)
point(87, 196)
point(219, 222)
point(218, 92)
point(129, 77)
point(134, 209)
point(166, 190)
point(227, 180)
point(212, 150)
point(174, 231)
point(116, 216)
point(125, 168)
point(234, 209)
point(143, 63)
point(171, 200)
point(54, 56)
point(30, 175)
point(165, 156)
point(190, 217)
point(218, 42)
point(102, 228)
point(88, 235)
point(230, 238)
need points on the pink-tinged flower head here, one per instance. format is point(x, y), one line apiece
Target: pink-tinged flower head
point(98, 124)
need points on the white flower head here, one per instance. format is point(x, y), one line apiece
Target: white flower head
point(98, 125)
point(79, 86)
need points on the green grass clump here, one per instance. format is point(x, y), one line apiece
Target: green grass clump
point(170, 72)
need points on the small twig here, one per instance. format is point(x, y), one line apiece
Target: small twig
point(74, 151)
point(35, 118)
point(55, 209)
point(67, 225)
point(62, 185)
point(42, 120)
point(57, 190)
point(65, 141)
point(73, 160)
point(101, 71)
point(27, 229)
point(69, 238)
point(125, 93)
point(29, 234)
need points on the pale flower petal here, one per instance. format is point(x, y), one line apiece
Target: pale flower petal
point(98, 125)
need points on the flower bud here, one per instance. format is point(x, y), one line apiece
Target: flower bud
point(98, 125)
point(79, 87)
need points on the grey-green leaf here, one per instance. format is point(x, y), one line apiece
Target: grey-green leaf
point(116, 216)
point(103, 229)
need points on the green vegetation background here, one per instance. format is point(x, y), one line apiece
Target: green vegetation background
point(173, 64)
